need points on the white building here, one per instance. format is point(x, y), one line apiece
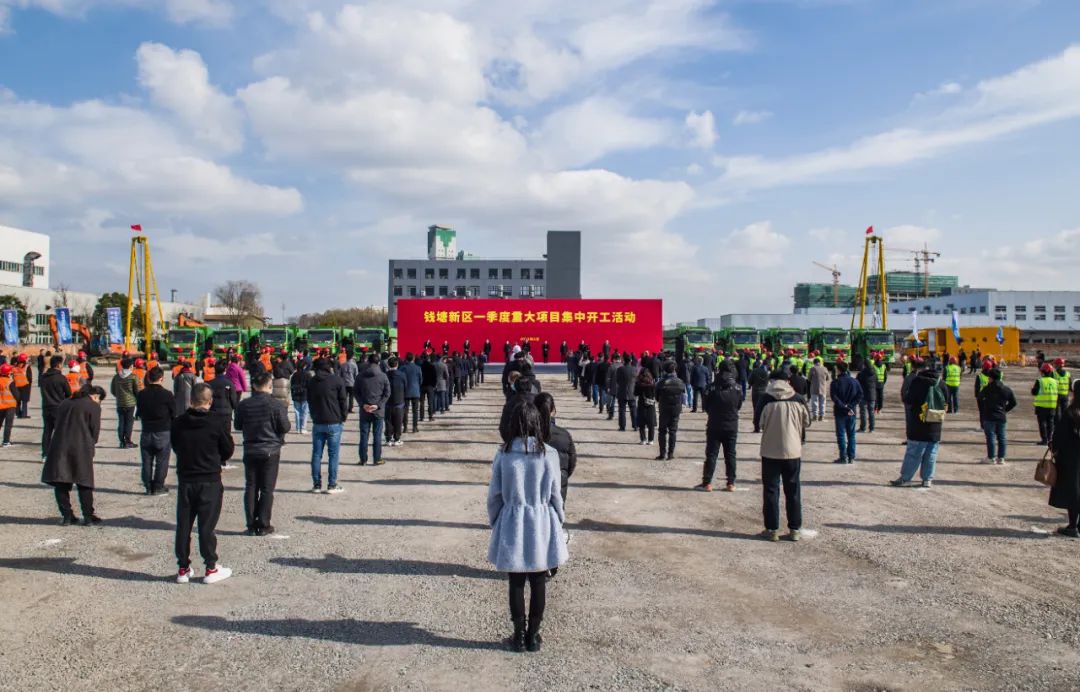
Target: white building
point(1043, 317)
point(24, 259)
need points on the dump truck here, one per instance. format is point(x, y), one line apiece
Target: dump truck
point(780, 340)
point(187, 342)
point(319, 338)
point(833, 345)
point(738, 339)
point(688, 340)
point(236, 338)
point(368, 339)
point(864, 342)
point(278, 337)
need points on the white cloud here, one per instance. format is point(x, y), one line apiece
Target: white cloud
point(588, 130)
point(750, 117)
point(179, 82)
point(206, 12)
point(757, 245)
point(702, 128)
point(910, 236)
point(943, 89)
point(1038, 94)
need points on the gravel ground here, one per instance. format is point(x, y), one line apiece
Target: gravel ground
point(386, 586)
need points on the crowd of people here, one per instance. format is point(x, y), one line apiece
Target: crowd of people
point(195, 419)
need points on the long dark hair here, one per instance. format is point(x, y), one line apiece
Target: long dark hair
point(645, 378)
point(545, 404)
point(524, 422)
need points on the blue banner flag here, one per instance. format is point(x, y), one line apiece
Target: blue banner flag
point(1000, 336)
point(11, 327)
point(63, 325)
point(115, 325)
point(956, 326)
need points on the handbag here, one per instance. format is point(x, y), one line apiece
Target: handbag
point(1046, 469)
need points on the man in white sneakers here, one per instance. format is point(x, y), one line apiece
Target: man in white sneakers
point(201, 446)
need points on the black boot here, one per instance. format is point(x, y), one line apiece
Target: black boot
point(533, 640)
point(518, 642)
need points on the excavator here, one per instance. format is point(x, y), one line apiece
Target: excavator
point(76, 329)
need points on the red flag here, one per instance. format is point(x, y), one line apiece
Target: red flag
point(869, 230)
point(137, 227)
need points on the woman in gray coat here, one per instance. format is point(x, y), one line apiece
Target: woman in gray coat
point(70, 459)
point(526, 513)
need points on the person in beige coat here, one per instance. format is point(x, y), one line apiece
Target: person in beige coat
point(784, 419)
point(819, 389)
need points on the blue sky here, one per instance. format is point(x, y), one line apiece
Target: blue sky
point(705, 149)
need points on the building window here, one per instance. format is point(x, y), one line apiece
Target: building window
point(507, 273)
point(1040, 317)
point(538, 291)
point(493, 273)
point(538, 274)
point(429, 291)
point(1059, 308)
point(1001, 316)
point(459, 291)
point(410, 273)
point(1040, 308)
point(963, 311)
point(473, 292)
point(399, 274)
point(982, 309)
point(412, 291)
point(397, 291)
point(429, 272)
point(444, 273)
point(461, 273)
point(444, 291)
point(495, 291)
point(1059, 317)
point(507, 291)
point(1000, 308)
point(524, 291)
point(474, 273)
point(525, 274)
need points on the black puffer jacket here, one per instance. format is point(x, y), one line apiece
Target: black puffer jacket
point(919, 387)
point(226, 398)
point(995, 402)
point(264, 421)
point(201, 446)
point(669, 395)
point(722, 404)
point(328, 399)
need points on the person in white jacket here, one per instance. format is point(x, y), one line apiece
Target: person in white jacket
point(525, 509)
point(784, 419)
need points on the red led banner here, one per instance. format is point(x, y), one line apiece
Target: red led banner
point(630, 325)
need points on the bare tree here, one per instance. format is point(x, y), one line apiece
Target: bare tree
point(60, 296)
point(242, 301)
point(345, 317)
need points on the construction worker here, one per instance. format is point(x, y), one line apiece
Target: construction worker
point(179, 367)
point(1045, 392)
point(85, 367)
point(8, 401)
point(75, 377)
point(1064, 380)
point(983, 378)
point(22, 379)
point(264, 358)
point(952, 381)
point(209, 369)
point(139, 371)
point(908, 367)
point(152, 362)
point(882, 370)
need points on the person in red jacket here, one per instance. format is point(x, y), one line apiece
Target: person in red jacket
point(8, 401)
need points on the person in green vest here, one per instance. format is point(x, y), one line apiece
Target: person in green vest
point(952, 381)
point(1064, 380)
point(881, 368)
point(907, 366)
point(1045, 392)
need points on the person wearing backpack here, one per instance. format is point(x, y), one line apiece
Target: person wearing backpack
point(925, 402)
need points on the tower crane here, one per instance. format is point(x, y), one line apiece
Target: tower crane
point(835, 281)
point(923, 259)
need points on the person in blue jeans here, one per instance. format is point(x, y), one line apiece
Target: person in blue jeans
point(995, 401)
point(372, 391)
point(328, 400)
point(923, 436)
point(846, 394)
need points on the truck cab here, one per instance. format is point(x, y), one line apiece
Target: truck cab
point(832, 344)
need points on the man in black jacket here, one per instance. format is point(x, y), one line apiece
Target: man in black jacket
point(202, 446)
point(867, 378)
point(224, 402)
point(427, 387)
point(670, 391)
point(625, 384)
point(329, 403)
point(155, 406)
point(372, 392)
point(264, 421)
point(395, 405)
point(759, 380)
point(55, 390)
point(599, 382)
point(722, 403)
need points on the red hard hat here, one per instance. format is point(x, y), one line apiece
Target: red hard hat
point(1047, 368)
point(1057, 361)
point(210, 361)
point(23, 358)
point(988, 364)
point(82, 354)
point(140, 363)
point(72, 363)
point(5, 370)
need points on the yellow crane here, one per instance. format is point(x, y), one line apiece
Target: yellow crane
point(923, 259)
point(877, 243)
point(142, 287)
point(835, 281)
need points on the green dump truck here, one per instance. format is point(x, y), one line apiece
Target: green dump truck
point(733, 340)
point(832, 345)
